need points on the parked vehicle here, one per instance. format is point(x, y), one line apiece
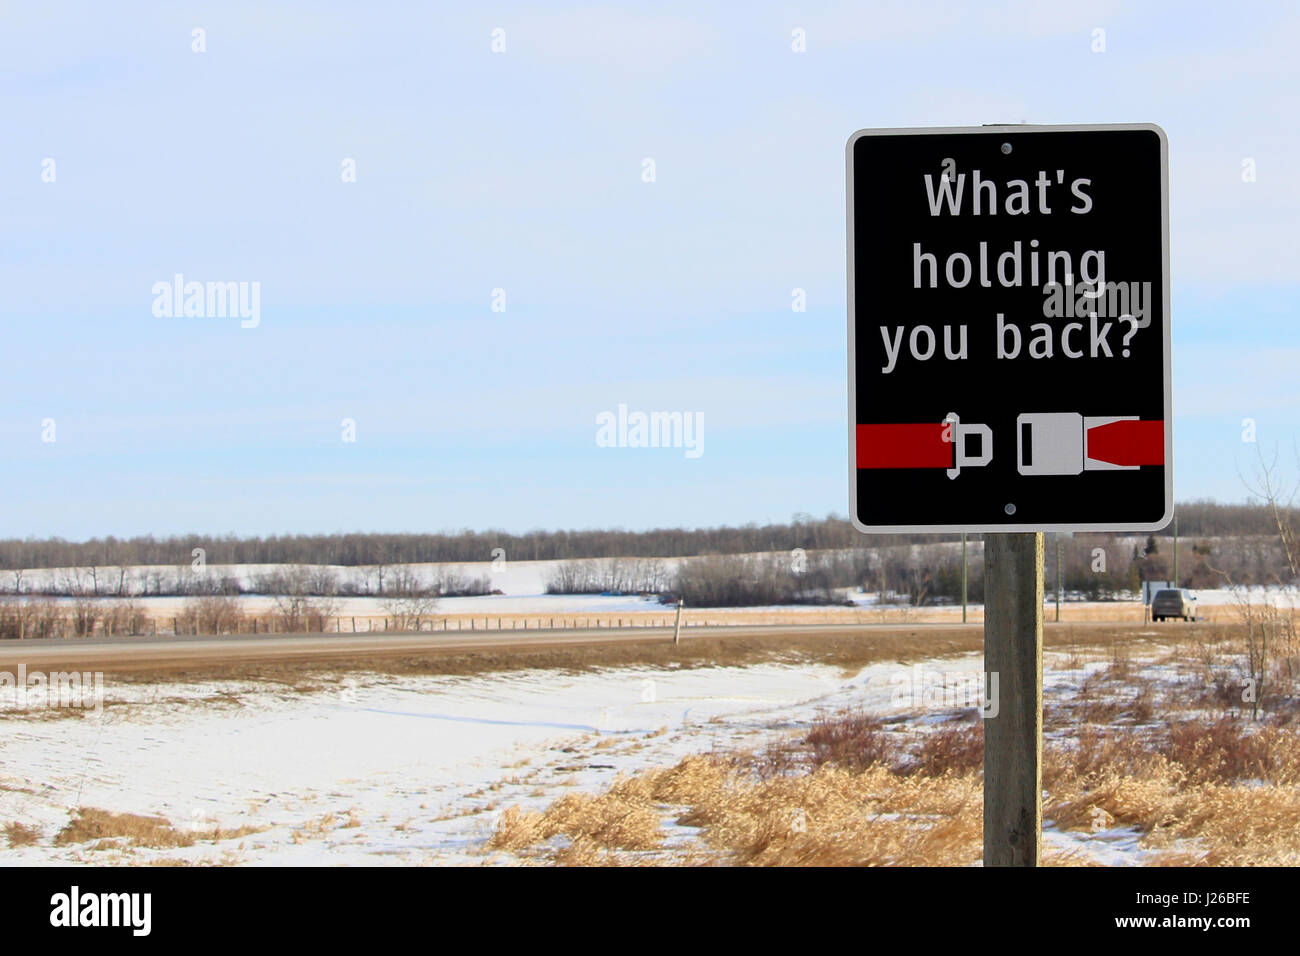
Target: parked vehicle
point(1173, 602)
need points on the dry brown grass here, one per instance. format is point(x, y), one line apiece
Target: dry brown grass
point(106, 830)
point(20, 834)
point(828, 817)
point(326, 824)
point(1232, 824)
point(855, 791)
point(957, 747)
point(1233, 749)
point(90, 823)
point(852, 740)
point(618, 819)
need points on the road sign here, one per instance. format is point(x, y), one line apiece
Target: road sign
point(1009, 329)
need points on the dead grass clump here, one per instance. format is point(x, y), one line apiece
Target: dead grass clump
point(832, 816)
point(1095, 710)
point(1220, 691)
point(1091, 751)
point(107, 830)
point(217, 834)
point(853, 740)
point(20, 834)
point(1142, 707)
point(318, 828)
point(1145, 800)
point(584, 851)
point(89, 823)
point(618, 819)
point(518, 828)
point(1227, 784)
point(1241, 826)
point(609, 820)
point(676, 785)
point(1231, 824)
point(837, 817)
point(953, 748)
point(1232, 749)
point(778, 758)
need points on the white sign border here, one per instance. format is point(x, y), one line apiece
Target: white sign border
point(1017, 129)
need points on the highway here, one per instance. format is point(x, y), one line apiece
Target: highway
point(129, 654)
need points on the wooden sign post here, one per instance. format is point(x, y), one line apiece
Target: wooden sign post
point(1013, 722)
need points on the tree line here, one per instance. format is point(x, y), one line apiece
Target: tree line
point(1206, 519)
point(1092, 567)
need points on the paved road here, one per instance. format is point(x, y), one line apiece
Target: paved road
point(164, 653)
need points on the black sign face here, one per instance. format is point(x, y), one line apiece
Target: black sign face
point(1009, 329)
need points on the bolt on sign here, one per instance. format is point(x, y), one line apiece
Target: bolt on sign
point(1009, 329)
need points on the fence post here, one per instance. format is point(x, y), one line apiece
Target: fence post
point(677, 627)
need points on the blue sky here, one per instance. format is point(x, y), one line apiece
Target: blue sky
point(522, 171)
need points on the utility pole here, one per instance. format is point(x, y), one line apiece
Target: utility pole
point(1058, 579)
point(963, 577)
point(1013, 680)
point(1176, 584)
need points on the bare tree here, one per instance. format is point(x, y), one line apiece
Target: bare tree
point(1269, 631)
point(213, 614)
point(77, 582)
point(298, 608)
point(1268, 487)
point(409, 599)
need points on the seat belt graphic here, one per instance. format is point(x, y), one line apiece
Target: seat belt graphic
point(923, 445)
point(1047, 443)
point(1067, 443)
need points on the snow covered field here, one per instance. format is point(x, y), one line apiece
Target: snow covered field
point(542, 604)
point(523, 594)
point(414, 770)
point(416, 764)
point(510, 577)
